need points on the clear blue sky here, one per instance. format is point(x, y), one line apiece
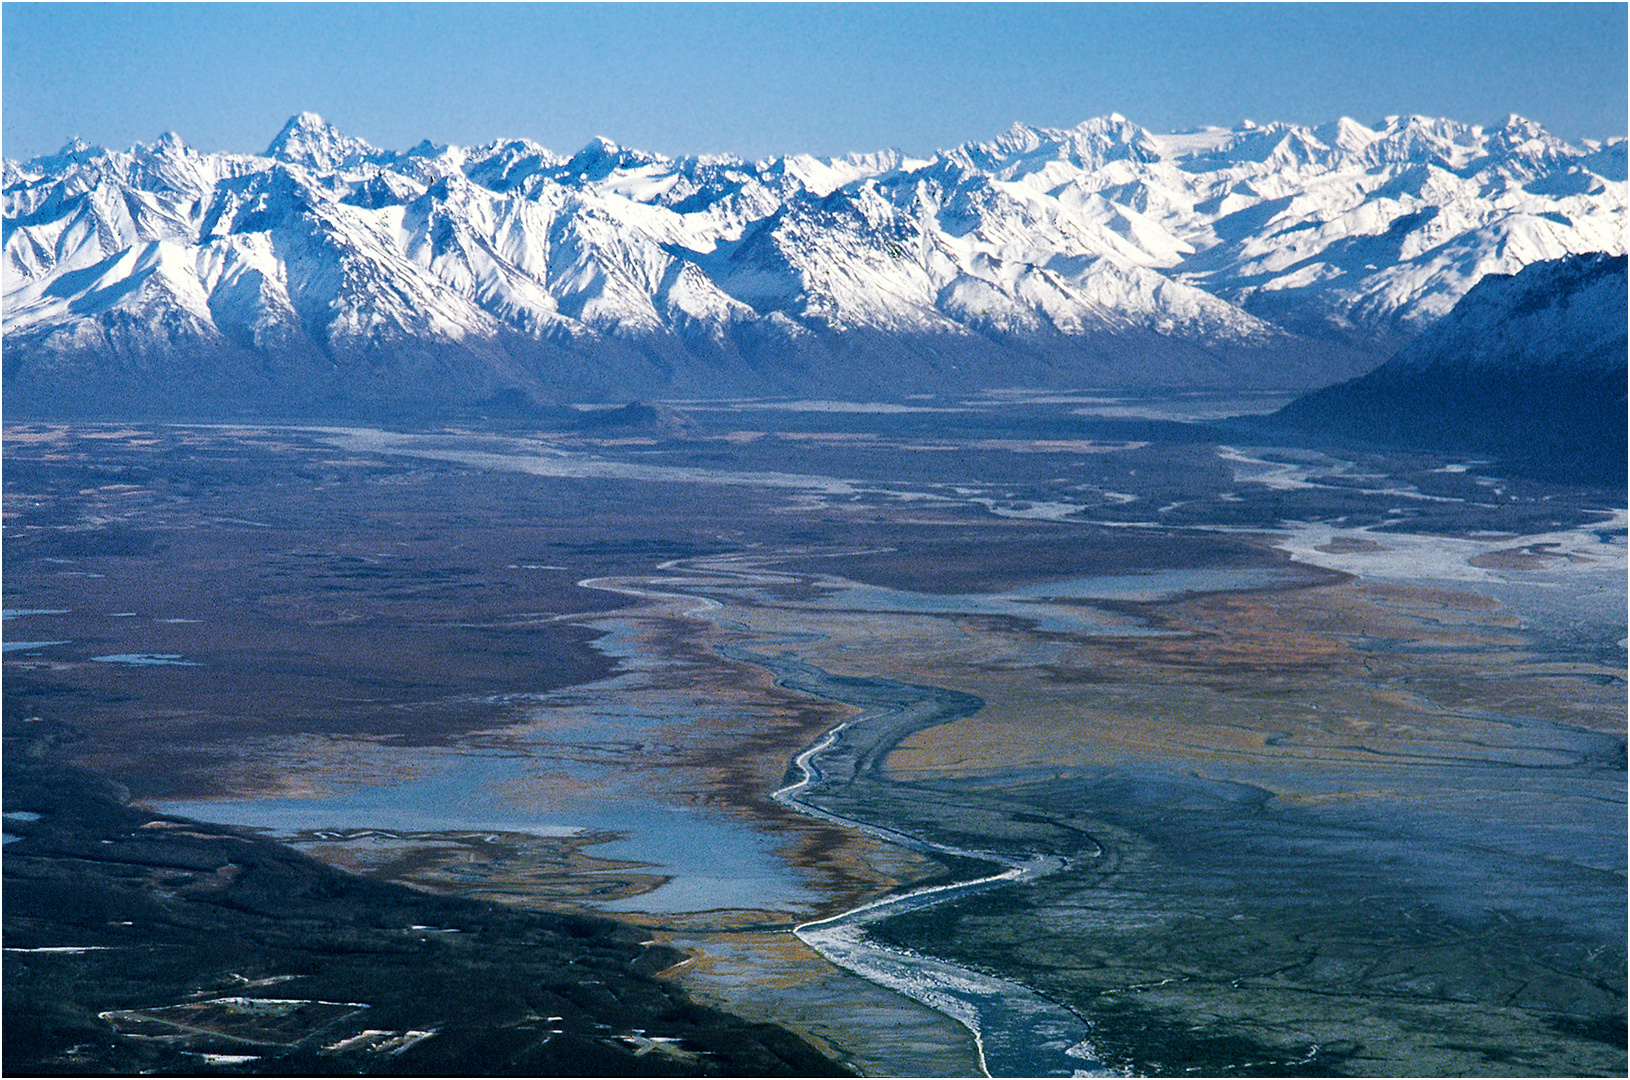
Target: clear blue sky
point(758, 80)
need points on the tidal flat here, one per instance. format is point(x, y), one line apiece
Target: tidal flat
point(1322, 750)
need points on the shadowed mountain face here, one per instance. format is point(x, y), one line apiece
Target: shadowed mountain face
point(1529, 367)
point(329, 277)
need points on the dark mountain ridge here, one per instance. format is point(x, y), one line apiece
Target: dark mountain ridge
point(1529, 368)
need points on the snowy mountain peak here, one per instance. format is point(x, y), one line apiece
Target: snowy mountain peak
point(597, 154)
point(309, 140)
point(602, 157)
point(302, 124)
point(1345, 135)
point(1024, 151)
point(169, 143)
point(75, 151)
point(1113, 125)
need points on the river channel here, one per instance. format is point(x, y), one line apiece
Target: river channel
point(841, 779)
point(1018, 1031)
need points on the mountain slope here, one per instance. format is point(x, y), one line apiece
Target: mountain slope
point(329, 276)
point(1529, 367)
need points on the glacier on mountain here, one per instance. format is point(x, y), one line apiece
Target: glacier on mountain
point(329, 275)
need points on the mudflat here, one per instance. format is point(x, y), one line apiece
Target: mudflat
point(1323, 752)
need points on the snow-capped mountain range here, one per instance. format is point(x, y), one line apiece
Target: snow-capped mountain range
point(328, 275)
